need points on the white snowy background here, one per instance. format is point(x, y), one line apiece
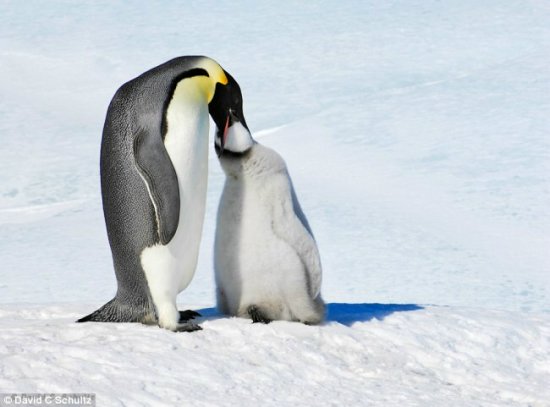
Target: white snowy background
point(418, 137)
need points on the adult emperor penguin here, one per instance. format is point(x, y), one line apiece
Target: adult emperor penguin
point(154, 168)
point(266, 261)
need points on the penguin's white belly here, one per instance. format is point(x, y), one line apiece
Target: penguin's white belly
point(169, 268)
point(184, 247)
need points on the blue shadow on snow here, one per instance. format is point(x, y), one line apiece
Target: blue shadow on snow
point(343, 313)
point(209, 313)
point(347, 314)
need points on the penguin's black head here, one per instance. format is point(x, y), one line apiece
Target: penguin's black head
point(226, 109)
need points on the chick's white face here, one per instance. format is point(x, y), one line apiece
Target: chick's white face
point(237, 139)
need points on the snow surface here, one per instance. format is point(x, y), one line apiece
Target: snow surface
point(417, 136)
point(366, 354)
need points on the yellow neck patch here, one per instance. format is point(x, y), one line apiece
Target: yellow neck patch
point(202, 88)
point(214, 70)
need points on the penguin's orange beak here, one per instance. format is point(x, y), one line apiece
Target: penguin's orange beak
point(224, 135)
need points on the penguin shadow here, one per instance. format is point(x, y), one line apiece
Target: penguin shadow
point(347, 314)
point(209, 314)
point(343, 313)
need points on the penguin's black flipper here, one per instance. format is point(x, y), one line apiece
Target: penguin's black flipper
point(160, 176)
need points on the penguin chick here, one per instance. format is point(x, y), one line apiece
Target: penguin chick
point(267, 264)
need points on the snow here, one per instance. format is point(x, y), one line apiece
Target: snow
point(416, 134)
point(365, 354)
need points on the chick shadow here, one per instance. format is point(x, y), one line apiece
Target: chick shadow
point(347, 314)
point(343, 313)
point(208, 314)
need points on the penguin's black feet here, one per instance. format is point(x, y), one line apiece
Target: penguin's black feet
point(257, 315)
point(187, 315)
point(187, 327)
